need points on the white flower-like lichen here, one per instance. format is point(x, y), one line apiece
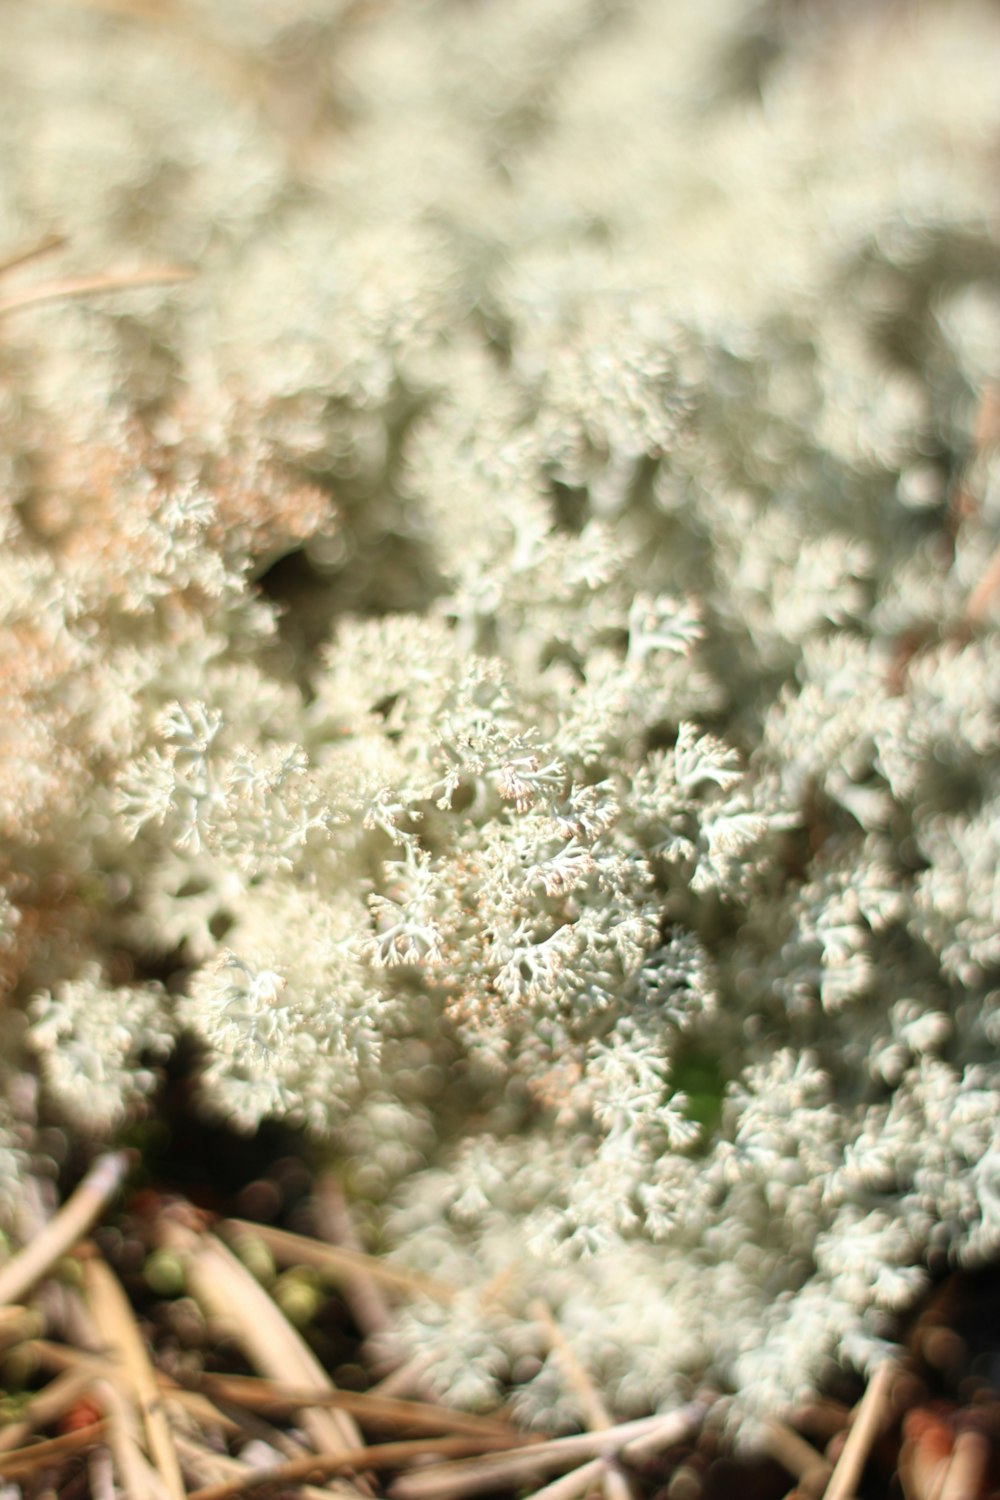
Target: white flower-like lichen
point(505, 657)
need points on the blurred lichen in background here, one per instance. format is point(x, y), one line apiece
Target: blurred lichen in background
point(505, 655)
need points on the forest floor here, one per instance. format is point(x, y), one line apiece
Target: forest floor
point(210, 1327)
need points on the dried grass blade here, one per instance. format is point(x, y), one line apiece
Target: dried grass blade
point(576, 1482)
point(227, 1291)
point(362, 1292)
point(965, 1478)
point(112, 1313)
point(44, 246)
point(616, 1484)
point(870, 1414)
point(90, 1367)
point(138, 1478)
point(101, 1474)
point(138, 10)
point(254, 1429)
point(613, 1483)
point(28, 1460)
point(666, 1429)
point(17, 1324)
point(379, 1456)
point(69, 287)
point(527, 1465)
point(804, 1462)
point(406, 1380)
point(339, 1262)
point(208, 1468)
point(57, 1397)
point(577, 1378)
point(64, 1357)
point(198, 1408)
point(269, 1395)
point(62, 1231)
point(980, 600)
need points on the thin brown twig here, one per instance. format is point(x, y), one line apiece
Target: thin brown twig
point(499, 1287)
point(577, 1378)
point(821, 1418)
point(28, 1460)
point(235, 1424)
point(804, 1462)
point(925, 1455)
point(981, 598)
point(986, 427)
point(137, 1477)
point(613, 1483)
point(235, 70)
point(965, 1477)
point(199, 1407)
point(17, 1324)
point(362, 1291)
point(869, 1416)
point(139, 10)
point(62, 1231)
point(69, 287)
point(112, 1313)
point(227, 1291)
point(44, 246)
point(101, 1474)
point(406, 1379)
point(64, 1357)
point(315, 1465)
point(337, 1261)
point(208, 1467)
point(269, 1395)
point(49, 1403)
point(257, 1394)
point(527, 1465)
point(256, 1429)
point(577, 1482)
point(663, 1433)
point(985, 437)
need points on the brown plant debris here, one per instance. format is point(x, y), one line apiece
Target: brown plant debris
point(151, 1394)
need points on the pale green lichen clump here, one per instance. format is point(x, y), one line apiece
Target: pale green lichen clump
point(601, 854)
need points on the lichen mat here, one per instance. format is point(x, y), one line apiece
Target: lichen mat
point(504, 655)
